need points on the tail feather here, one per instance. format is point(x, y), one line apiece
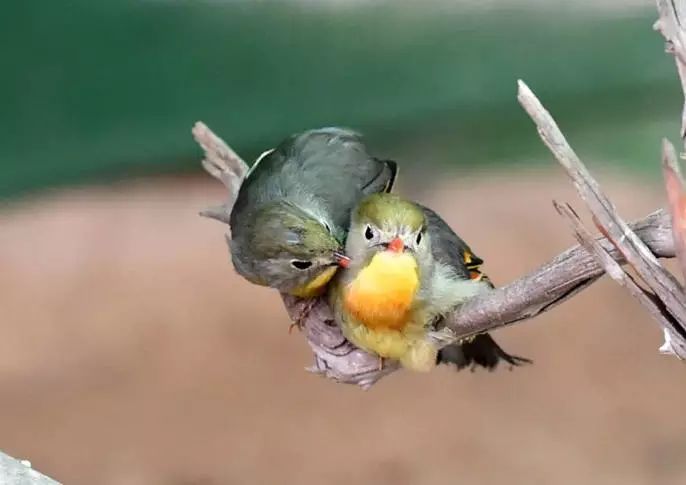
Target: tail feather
point(481, 351)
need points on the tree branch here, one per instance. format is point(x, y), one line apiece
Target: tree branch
point(527, 297)
point(672, 26)
point(668, 291)
point(223, 164)
point(648, 300)
point(577, 268)
point(554, 282)
point(13, 471)
point(674, 185)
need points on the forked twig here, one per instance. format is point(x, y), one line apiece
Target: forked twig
point(667, 289)
point(527, 297)
point(639, 244)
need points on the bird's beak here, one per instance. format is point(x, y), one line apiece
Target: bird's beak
point(342, 260)
point(396, 245)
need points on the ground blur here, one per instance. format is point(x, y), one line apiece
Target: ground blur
point(130, 353)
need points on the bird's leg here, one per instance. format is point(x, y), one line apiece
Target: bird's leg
point(380, 368)
point(299, 321)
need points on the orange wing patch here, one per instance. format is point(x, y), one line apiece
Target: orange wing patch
point(473, 265)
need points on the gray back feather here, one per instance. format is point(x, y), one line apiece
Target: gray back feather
point(324, 171)
point(447, 248)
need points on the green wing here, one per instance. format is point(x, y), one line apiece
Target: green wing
point(329, 169)
point(449, 249)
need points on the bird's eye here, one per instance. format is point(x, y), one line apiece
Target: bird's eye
point(368, 233)
point(419, 238)
point(301, 264)
point(327, 226)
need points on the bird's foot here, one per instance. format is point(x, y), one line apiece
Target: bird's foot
point(299, 321)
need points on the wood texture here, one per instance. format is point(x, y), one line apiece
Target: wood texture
point(667, 290)
point(638, 244)
point(554, 282)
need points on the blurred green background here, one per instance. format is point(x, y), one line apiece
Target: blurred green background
point(132, 354)
point(93, 91)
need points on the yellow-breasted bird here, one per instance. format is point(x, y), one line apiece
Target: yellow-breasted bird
point(290, 218)
point(407, 269)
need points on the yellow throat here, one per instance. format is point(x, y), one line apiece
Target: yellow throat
point(382, 293)
point(315, 287)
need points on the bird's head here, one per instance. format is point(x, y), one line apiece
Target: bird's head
point(389, 224)
point(297, 252)
point(389, 249)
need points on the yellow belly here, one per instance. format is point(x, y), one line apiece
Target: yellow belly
point(409, 346)
point(379, 312)
point(382, 293)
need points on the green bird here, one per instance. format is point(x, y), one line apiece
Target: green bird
point(290, 219)
point(408, 269)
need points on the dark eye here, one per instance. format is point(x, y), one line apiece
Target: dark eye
point(328, 227)
point(301, 264)
point(368, 233)
point(419, 238)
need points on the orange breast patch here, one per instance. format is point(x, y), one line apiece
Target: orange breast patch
point(383, 292)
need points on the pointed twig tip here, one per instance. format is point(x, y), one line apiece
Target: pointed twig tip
point(216, 213)
point(198, 129)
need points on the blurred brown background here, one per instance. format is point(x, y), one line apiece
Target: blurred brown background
point(131, 354)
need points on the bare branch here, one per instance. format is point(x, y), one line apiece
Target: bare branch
point(617, 273)
point(13, 471)
point(662, 282)
point(553, 283)
point(674, 185)
point(527, 297)
point(223, 164)
point(672, 26)
point(638, 244)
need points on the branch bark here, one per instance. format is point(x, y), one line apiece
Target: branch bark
point(676, 196)
point(668, 292)
point(527, 297)
point(648, 300)
point(672, 25)
point(554, 282)
point(19, 472)
point(223, 164)
point(638, 244)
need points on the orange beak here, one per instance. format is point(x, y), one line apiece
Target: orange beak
point(396, 245)
point(342, 260)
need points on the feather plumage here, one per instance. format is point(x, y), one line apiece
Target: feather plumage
point(445, 266)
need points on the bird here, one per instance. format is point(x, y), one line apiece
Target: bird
point(290, 218)
point(407, 270)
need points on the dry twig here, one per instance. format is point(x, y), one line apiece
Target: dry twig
point(223, 164)
point(527, 297)
point(638, 244)
point(674, 185)
point(668, 291)
point(617, 273)
point(671, 24)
